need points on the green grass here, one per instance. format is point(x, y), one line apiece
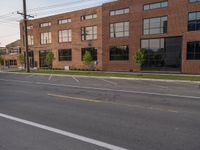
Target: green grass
point(122, 75)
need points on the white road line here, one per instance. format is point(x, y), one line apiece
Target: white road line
point(105, 89)
point(50, 77)
point(110, 82)
point(30, 76)
point(75, 79)
point(64, 133)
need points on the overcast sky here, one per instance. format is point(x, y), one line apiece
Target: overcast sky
point(9, 20)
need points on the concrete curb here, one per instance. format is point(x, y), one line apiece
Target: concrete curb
point(99, 77)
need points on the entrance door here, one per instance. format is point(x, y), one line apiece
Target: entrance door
point(42, 59)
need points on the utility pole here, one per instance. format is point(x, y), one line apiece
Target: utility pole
point(24, 14)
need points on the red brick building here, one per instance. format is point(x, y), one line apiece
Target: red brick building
point(168, 30)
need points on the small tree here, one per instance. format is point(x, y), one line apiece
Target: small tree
point(140, 57)
point(87, 58)
point(49, 59)
point(21, 59)
point(1, 60)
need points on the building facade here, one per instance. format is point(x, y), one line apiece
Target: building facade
point(168, 31)
point(10, 55)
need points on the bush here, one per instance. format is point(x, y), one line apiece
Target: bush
point(1, 60)
point(87, 58)
point(49, 59)
point(140, 57)
point(21, 59)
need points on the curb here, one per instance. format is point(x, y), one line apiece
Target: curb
point(101, 77)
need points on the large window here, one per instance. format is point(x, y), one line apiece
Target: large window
point(65, 36)
point(162, 4)
point(88, 17)
point(119, 30)
point(119, 12)
point(46, 38)
point(30, 40)
point(119, 53)
point(92, 50)
point(194, 21)
point(65, 54)
point(155, 25)
point(193, 50)
point(89, 33)
point(11, 62)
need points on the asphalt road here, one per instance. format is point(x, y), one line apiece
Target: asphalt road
point(40, 112)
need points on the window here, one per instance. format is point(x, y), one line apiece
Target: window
point(65, 36)
point(119, 53)
point(30, 40)
point(46, 38)
point(64, 21)
point(65, 54)
point(119, 12)
point(162, 4)
point(88, 17)
point(92, 50)
point(193, 50)
point(194, 21)
point(89, 33)
point(119, 29)
point(192, 1)
point(46, 24)
point(29, 27)
point(155, 25)
point(11, 62)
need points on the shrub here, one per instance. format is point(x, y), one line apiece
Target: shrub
point(49, 59)
point(140, 57)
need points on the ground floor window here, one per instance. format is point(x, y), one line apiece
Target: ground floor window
point(65, 54)
point(92, 50)
point(119, 53)
point(162, 52)
point(193, 50)
point(11, 62)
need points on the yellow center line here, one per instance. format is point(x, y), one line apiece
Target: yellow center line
point(113, 103)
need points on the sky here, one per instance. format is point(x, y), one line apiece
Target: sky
point(9, 19)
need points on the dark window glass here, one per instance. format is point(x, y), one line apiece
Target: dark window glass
point(193, 50)
point(119, 53)
point(88, 17)
point(119, 12)
point(194, 21)
point(92, 50)
point(65, 54)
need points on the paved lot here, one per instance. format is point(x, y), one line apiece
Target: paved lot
point(77, 113)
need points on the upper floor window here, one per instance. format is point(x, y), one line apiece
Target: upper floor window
point(30, 40)
point(64, 21)
point(155, 25)
point(193, 50)
point(46, 24)
point(89, 33)
point(119, 12)
point(65, 36)
point(120, 29)
point(88, 17)
point(192, 1)
point(46, 38)
point(194, 21)
point(161, 4)
point(29, 27)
